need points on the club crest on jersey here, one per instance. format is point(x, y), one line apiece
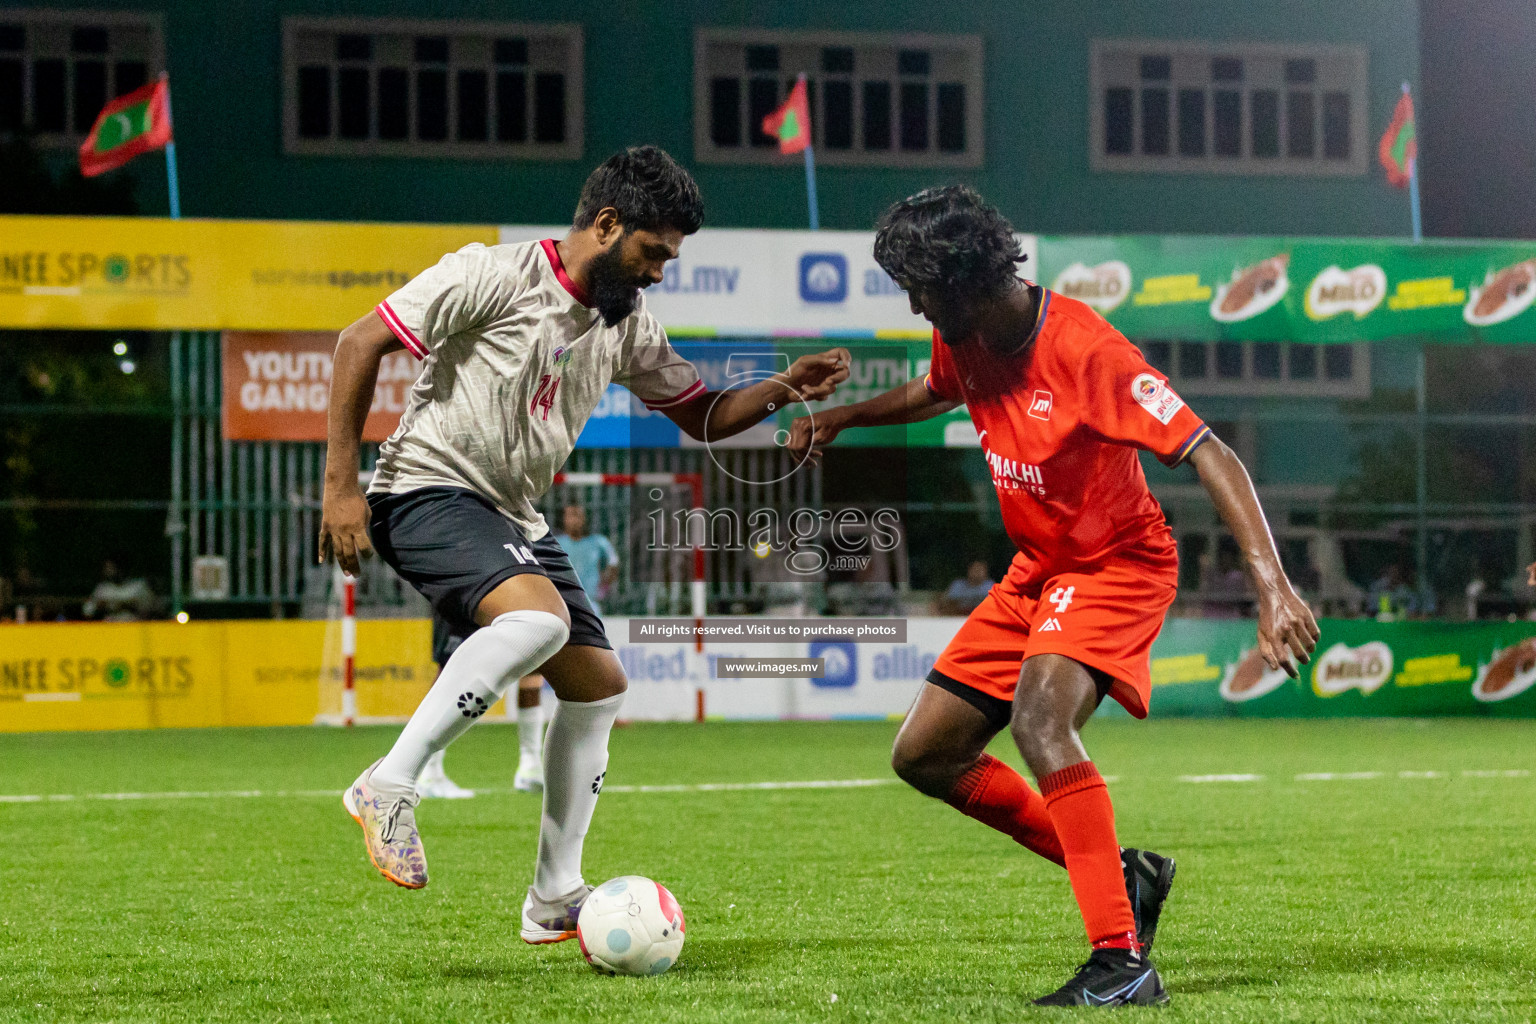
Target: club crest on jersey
point(1010, 474)
point(561, 357)
point(1040, 405)
point(1156, 397)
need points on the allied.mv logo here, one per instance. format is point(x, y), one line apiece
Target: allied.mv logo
point(823, 277)
point(1040, 405)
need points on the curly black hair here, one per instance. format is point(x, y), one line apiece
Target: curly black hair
point(647, 187)
point(947, 239)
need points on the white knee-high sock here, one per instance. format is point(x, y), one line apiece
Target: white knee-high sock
point(575, 761)
point(476, 676)
point(530, 733)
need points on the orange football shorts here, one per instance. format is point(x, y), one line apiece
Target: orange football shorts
point(1105, 619)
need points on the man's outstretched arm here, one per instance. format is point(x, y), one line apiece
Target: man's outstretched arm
point(910, 403)
point(354, 372)
point(1286, 625)
point(717, 414)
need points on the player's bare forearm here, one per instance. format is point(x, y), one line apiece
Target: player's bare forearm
point(717, 414)
point(910, 403)
point(1286, 625)
point(1227, 482)
point(354, 372)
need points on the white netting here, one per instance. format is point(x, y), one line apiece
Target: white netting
point(333, 709)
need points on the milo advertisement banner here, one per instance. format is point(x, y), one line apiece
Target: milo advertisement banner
point(1299, 289)
point(1207, 667)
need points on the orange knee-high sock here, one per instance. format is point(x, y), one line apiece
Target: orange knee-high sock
point(1085, 822)
point(996, 795)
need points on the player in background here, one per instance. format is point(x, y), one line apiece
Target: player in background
point(519, 344)
point(591, 554)
point(435, 783)
point(1062, 401)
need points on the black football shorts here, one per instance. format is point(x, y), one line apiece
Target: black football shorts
point(454, 547)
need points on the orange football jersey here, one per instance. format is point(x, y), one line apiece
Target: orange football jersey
point(1060, 422)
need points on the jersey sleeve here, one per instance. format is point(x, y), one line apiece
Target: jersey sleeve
point(610, 556)
point(452, 295)
point(1131, 403)
point(655, 373)
point(943, 380)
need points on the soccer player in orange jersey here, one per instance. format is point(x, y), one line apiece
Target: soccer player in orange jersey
point(1062, 402)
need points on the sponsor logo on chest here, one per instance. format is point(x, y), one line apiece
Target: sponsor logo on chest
point(1011, 474)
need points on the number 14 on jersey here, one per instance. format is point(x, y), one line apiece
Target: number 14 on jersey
point(544, 396)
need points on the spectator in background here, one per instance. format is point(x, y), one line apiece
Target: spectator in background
point(1393, 597)
point(592, 556)
point(116, 599)
point(965, 594)
point(1225, 591)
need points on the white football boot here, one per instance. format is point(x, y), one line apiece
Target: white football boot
point(389, 830)
point(553, 920)
point(530, 775)
point(435, 783)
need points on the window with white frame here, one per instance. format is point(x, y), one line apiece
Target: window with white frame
point(1261, 368)
point(1227, 108)
point(432, 88)
point(59, 68)
point(876, 99)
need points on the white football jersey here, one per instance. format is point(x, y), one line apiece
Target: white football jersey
point(515, 362)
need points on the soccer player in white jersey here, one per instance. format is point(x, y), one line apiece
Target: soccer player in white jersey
point(519, 344)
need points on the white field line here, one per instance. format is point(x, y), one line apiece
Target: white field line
point(1241, 777)
point(246, 794)
point(715, 787)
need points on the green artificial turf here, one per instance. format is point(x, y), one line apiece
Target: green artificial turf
point(1388, 898)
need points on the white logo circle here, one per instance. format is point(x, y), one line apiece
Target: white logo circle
point(823, 278)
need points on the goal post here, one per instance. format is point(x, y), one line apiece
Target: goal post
point(338, 659)
point(697, 588)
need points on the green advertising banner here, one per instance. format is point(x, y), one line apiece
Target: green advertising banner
point(1202, 288)
point(879, 366)
point(1211, 667)
point(1298, 289)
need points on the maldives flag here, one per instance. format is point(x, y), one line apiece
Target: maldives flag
point(129, 125)
point(791, 123)
point(1399, 146)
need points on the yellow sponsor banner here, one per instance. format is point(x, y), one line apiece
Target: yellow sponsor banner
point(82, 676)
point(147, 273)
point(110, 676)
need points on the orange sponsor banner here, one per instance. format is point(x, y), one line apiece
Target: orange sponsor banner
point(277, 386)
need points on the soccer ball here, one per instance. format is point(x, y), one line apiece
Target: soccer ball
point(630, 925)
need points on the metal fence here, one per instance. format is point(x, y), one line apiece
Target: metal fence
point(254, 506)
point(1440, 477)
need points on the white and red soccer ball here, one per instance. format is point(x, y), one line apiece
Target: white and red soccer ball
point(630, 925)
